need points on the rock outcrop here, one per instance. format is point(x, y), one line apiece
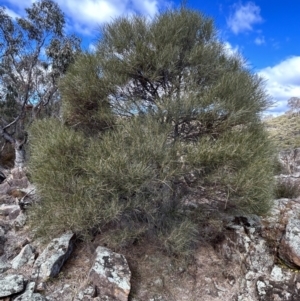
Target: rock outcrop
point(289, 248)
point(50, 262)
point(11, 284)
point(110, 274)
point(26, 256)
point(30, 295)
point(26, 267)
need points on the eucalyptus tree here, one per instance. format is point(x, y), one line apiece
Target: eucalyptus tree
point(34, 53)
point(294, 105)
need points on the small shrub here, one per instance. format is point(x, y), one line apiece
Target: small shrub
point(287, 188)
point(180, 237)
point(280, 168)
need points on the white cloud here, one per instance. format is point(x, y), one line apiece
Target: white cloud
point(236, 52)
point(230, 50)
point(283, 81)
point(91, 11)
point(260, 41)
point(92, 47)
point(85, 15)
point(11, 13)
point(244, 17)
point(147, 7)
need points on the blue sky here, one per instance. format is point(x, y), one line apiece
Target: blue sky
point(266, 33)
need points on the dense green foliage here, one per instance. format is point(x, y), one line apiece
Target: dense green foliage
point(184, 124)
point(125, 180)
point(85, 103)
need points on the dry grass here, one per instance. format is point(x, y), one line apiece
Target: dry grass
point(74, 273)
point(155, 275)
point(284, 131)
point(287, 188)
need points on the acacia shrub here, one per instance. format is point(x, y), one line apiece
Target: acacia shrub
point(123, 181)
point(55, 166)
point(85, 106)
point(234, 162)
point(127, 183)
point(181, 106)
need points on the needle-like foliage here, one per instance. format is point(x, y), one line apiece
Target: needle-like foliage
point(186, 128)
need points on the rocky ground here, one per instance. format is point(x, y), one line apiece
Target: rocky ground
point(254, 259)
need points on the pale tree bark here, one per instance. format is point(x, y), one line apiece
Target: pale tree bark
point(20, 154)
point(18, 144)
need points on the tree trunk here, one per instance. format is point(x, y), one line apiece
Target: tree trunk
point(18, 146)
point(19, 153)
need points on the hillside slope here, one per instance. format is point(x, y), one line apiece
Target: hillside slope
point(285, 131)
